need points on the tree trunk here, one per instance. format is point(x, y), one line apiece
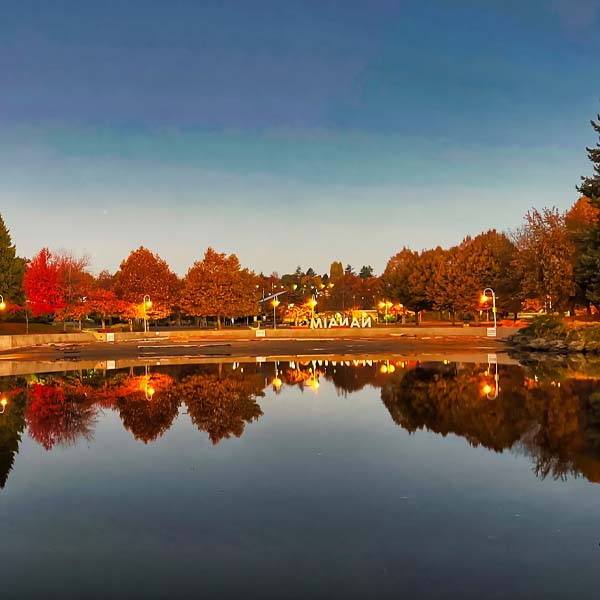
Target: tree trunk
point(219, 322)
point(79, 324)
point(418, 318)
point(130, 325)
point(453, 317)
point(102, 323)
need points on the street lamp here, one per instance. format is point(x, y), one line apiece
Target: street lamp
point(491, 331)
point(312, 303)
point(387, 304)
point(2, 303)
point(275, 304)
point(147, 305)
point(3, 403)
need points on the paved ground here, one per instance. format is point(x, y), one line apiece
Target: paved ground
point(148, 348)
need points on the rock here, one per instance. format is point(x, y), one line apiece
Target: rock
point(518, 339)
point(592, 346)
point(539, 344)
point(576, 346)
point(557, 346)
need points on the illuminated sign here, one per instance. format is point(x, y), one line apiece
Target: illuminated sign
point(340, 321)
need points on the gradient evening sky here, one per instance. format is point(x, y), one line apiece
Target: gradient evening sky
point(289, 132)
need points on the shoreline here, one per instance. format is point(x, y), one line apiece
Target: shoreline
point(60, 355)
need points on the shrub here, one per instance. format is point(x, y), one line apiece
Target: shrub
point(547, 326)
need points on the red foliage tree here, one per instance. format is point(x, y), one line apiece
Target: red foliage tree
point(42, 283)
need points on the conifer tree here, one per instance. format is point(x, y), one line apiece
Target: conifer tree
point(588, 271)
point(12, 268)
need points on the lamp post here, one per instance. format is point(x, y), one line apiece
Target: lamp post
point(147, 305)
point(385, 304)
point(2, 303)
point(491, 331)
point(275, 304)
point(3, 403)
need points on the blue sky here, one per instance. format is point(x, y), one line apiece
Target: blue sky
point(289, 132)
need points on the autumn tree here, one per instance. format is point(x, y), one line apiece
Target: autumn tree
point(76, 283)
point(218, 286)
point(145, 273)
point(407, 279)
point(545, 257)
point(336, 270)
point(104, 304)
point(581, 221)
point(42, 284)
point(444, 283)
point(12, 268)
point(482, 262)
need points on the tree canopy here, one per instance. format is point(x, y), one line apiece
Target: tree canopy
point(217, 286)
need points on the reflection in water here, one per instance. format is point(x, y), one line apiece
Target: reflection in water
point(550, 414)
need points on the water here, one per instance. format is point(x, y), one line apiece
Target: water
point(314, 480)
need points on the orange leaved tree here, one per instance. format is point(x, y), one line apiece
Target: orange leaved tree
point(144, 273)
point(218, 287)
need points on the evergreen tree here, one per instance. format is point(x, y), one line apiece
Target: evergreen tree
point(588, 269)
point(12, 268)
point(366, 272)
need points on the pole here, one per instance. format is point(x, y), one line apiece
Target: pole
point(147, 303)
point(492, 331)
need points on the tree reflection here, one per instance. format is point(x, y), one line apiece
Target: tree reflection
point(557, 424)
point(222, 404)
point(548, 414)
point(12, 424)
point(60, 413)
point(147, 405)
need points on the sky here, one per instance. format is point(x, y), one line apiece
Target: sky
point(289, 132)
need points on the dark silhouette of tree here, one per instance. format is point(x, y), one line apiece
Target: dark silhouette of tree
point(366, 271)
point(12, 268)
point(588, 267)
point(12, 424)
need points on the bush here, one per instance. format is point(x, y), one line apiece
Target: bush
point(546, 326)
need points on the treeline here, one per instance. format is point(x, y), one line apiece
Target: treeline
point(552, 261)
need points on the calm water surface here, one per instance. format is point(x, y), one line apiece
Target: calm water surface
point(302, 480)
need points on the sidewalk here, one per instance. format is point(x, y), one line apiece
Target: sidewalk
point(10, 342)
